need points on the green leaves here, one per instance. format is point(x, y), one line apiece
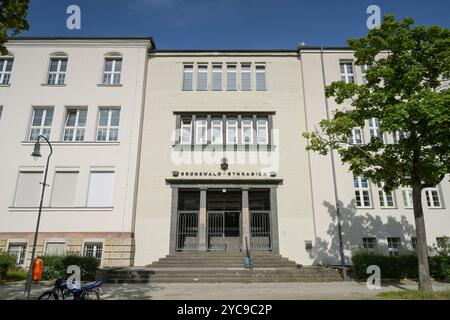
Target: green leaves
point(12, 20)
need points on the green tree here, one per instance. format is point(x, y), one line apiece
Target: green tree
point(13, 15)
point(408, 90)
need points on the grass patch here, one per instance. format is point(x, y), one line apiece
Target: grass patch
point(415, 295)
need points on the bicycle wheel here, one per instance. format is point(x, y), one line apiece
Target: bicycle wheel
point(48, 296)
point(90, 295)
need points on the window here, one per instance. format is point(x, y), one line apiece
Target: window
point(370, 244)
point(362, 192)
point(75, 124)
point(414, 243)
point(93, 249)
point(374, 128)
point(202, 77)
point(262, 130)
point(57, 72)
point(216, 130)
point(393, 246)
point(5, 70)
point(108, 124)
point(217, 77)
point(407, 197)
point(187, 77)
point(28, 189)
point(386, 198)
point(232, 135)
point(247, 130)
point(433, 199)
point(18, 250)
point(231, 77)
point(112, 70)
point(356, 136)
point(260, 78)
point(100, 189)
point(41, 123)
point(201, 127)
point(347, 72)
point(55, 248)
point(398, 135)
point(64, 188)
point(1, 111)
point(246, 77)
point(186, 130)
point(364, 69)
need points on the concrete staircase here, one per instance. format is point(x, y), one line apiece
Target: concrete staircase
point(218, 267)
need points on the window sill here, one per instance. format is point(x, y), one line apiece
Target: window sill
point(370, 208)
point(109, 85)
point(5, 85)
point(52, 85)
point(220, 147)
point(76, 143)
point(52, 209)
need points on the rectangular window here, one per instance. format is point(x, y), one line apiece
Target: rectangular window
point(362, 193)
point(262, 130)
point(64, 188)
point(231, 77)
point(370, 244)
point(201, 127)
point(41, 123)
point(231, 129)
point(356, 136)
point(57, 72)
point(407, 197)
point(18, 250)
point(217, 77)
point(202, 77)
point(260, 77)
point(386, 198)
point(186, 130)
point(364, 69)
point(108, 124)
point(93, 249)
point(246, 79)
point(216, 130)
point(100, 189)
point(5, 70)
point(55, 248)
point(397, 136)
point(188, 77)
point(28, 189)
point(347, 72)
point(112, 71)
point(75, 125)
point(433, 199)
point(247, 130)
point(374, 128)
point(393, 246)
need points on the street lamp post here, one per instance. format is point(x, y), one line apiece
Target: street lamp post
point(37, 153)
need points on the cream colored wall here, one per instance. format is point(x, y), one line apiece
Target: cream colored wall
point(84, 73)
point(357, 223)
point(164, 96)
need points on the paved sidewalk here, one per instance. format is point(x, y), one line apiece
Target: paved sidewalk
point(229, 291)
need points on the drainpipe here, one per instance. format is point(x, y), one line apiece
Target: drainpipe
point(333, 167)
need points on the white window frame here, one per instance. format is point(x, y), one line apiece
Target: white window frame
point(188, 69)
point(246, 71)
point(394, 244)
point(429, 192)
point(370, 244)
point(374, 128)
point(96, 247)
point(385, 197)
point(182, 127)
point(231, 71)
point(364, 69)
point(407, 197)
point(246, 127)
point(354, 135)
point(201, 122)
point(202, 68)
point(5, 76)
point(51, 241)
point(229, 125)
point(217, 125)
point(346, 74)
point(397, 136)
point(261, 68)
point(76, 127)
point(41, 127)
point(60, 75)
point(108, 127)
point(360, 191)
point(260, 126)
point(217, 69)
point(113, 71)
point(19, 253)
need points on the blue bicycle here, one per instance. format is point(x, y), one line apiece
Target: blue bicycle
point(60, 291)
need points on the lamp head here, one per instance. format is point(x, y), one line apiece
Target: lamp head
point(37, 150)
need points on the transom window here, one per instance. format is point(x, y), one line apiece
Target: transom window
point(386, 198)
point(433, 199)
point(75, 125)
point(370, 244)
point(347, 72)
point(19, 251)
point(112, 71)
point(246, 78)
point(57, 72)
point(93, 249)
point(260, 77)
point(108, 124)
point(41, 123)
point(217, 77)
point(362, 193)
point(394, 246)
point(202, 77)
point(5, 70)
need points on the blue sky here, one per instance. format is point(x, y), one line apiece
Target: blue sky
point(241, 24)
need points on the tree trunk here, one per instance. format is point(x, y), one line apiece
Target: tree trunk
point(422, 251)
